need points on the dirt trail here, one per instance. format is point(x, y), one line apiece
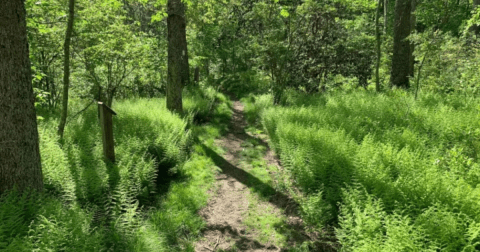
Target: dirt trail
point(229, 203)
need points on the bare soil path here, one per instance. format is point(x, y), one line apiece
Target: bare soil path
point(231, 199)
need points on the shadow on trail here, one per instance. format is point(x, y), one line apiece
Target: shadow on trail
point(294, 231)
point(279, 199)
point(293, 228)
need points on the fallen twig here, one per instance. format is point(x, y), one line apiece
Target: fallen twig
point(209, 248)
point(216, 244)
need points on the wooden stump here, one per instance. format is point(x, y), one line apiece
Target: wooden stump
point(106, 123)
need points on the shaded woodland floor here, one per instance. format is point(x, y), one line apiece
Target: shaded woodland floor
point(239, 195)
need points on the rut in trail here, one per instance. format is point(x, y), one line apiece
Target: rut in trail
point(229, 201)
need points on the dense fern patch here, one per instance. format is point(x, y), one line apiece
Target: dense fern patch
point(388, 172)
point(146, 201)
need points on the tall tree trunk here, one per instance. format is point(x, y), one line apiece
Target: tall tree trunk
point(413, 22)
point(66, 67)
point(379, 42)
point(178, 69)
point(401, 46)
point(385, 17)
point(20, 164)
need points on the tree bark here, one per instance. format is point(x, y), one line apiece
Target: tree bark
point(385, 18)
point(379, 42)
point(401, 46)
point(20, 165)
point(413, 22)
point(178, 69)
point(66, 66)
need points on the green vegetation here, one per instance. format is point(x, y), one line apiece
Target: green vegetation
point(393, 166)
point(146, 201)
point(388, 172)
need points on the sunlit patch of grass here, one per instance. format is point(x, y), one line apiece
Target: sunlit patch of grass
point(265, 222)
point(261, 218)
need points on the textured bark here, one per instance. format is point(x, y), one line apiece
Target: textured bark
point(401, 46)
point(178, 69)
point(413, 22)
point(379, 42)
point(19, 150)
point(66, 67)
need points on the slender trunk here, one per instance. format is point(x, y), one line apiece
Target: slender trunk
point(385, 20)
point(20, 165)
point(110, 96)
point(196, 76)
point(418, 75)
point(178, 69)
point(401, 46)
point(207, 67)
point(66, 67)
point(379, 51)
point(413, 21)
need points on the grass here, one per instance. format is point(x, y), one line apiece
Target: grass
point(261, 216)
point(387, 172)
point(147, 201)
point(268, 221)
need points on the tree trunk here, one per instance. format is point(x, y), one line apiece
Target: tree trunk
point(196, 76)
point(379, 51)
point(207, 67)
point(385, 18)
point(401, 46)
point(66, 67)
point(110, 95)
point(413, 22)
point(20, 164)
point(178, 69)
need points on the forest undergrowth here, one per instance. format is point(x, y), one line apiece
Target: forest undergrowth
point(385, 171)
point(147, 201)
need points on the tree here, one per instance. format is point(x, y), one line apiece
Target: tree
point(66, 66)
point(20, 164)
point(178, 69)
point(108, 49)
point(378, 48)
point(46, 32)
point(401, 46)
point(385, 19)
point(413, 21)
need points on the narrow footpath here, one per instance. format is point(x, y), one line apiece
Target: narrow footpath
point(240, 215)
